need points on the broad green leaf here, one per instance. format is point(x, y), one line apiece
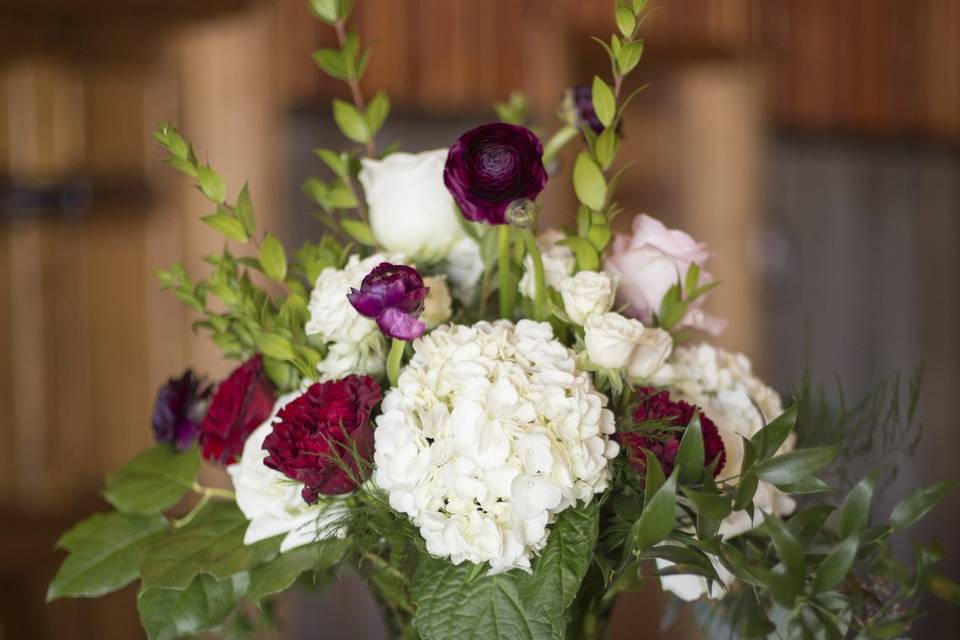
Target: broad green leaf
point(796, 465)
point(211, 184)
point(788, 548)
point(359, 231)
point(105, 554)
point(626, 21)
point(281, 572)
point(227, 225)
point(174, 613)
point(639, 6)
point(451, 605)
point(605, 148)
point(273, 259)
point(690, 455)
point(806, 524)
point(712, 508)
point(331, 62)
point(341, 197)
point(836, 565)
point(918, 504)
point(275, 346)
point(377, 112)
point(653, 477)
point(769, 439)
point(212, 543)
point(656, 521)
point(351, 123)
point(746, 489)
point(560, 569)
point(326, 10)
point(629, 56)
point(336, 162)
point(855, 511)
point(154, 481)
point(587, 257)
point(604, 103)
point(244, 211)
point(805, 485)
point(588, 182)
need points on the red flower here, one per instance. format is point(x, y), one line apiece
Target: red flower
point(324, 437)
point(241, 404)
point(657, 405)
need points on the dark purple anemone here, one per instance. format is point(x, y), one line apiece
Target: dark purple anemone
point(578, 108)
point(393, 295)
point(178, 410)
point(491, 166)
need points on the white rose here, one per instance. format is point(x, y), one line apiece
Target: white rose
point(272, 502)
point(410, 209)
point(610, 339)
point(558, 262)
point(437, 306)
point(651, 352)
point(586, 294)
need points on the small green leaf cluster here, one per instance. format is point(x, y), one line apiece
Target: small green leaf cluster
point(514, 110)
point(677, 300)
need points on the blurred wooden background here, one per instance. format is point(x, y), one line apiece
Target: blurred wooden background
point(87, 212)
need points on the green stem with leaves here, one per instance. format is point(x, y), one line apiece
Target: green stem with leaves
point(507, 293)
point(540, 297)
point(340, 27)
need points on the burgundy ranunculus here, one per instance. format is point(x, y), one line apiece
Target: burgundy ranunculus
point(393, 295)
point(178, 410)
point(657, 405)
point(491, 166)
point(241, 403)
point(577, 108)
point(324, 438)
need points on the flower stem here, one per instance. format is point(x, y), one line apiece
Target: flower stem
point(393, 360)
point(540, 298)
point(185, 520)
point(213, 492)
point(506, 280)
point(557, 142)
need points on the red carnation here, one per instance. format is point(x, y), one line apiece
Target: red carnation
point(241, 404)
point(323, 437)
point(657, 406)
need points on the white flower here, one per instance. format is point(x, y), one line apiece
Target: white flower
point(558, 263)
point(411, 211)
point(463, 267)
point(272, 502)
point(650, 354)
point(586, 294)
point(689, 587)
point(489, 434)
point(611, 339)
point(437, 306)
point(723, 385)
point(357, 345)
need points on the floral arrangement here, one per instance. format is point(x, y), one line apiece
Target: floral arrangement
point(500, 430)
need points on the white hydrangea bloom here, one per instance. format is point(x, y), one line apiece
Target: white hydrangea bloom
point(558, 263)
point(272, 502)
point(356, 344)
point(740, 404)
point(489, 434)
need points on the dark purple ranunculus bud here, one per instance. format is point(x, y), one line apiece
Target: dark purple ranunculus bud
point(577, 108)
point(178, 410)
point(393, 295)
point(491, 166)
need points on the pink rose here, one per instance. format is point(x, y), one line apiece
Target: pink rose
point(651, 261)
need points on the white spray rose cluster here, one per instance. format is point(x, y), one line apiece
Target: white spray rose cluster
point(489, 434)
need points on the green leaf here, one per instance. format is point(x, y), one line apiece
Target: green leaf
point(326, 10)
point(639, 6)
point(690, 455)
point(806, 485)
point(359, 231)
point(769, 439)
point(377, 112)
point(712, 508)
point(656, 521)
point(227, 225)
point(173, 613)
point(796, 465)
point(588, 259)
point(654, 477)
point(788, 547)
point(604, 103)
point(336, 162)
point(212, 543)
point(332, 63)
point(605, 148)
point(918, 504)
point(451, 605)
point(211, 184)
point(281, 572)
point(746, 489)
point(588, 182)
point(273, 259)
point(154, 481)
point(105, 554)
point(626, 21)
point(806, 524)
point(563, 563)
point(629, 57)
point(855, 511)
point(244, 211)
point(351, 123)
point(944, 588)
point(275, 346)
point(836, 565)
